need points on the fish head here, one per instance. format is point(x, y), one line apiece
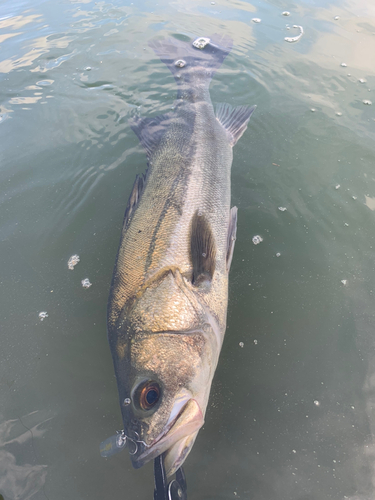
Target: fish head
point(163, 381)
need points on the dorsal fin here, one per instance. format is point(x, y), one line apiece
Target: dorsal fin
point(234, 120)
point(232, 230)
point(134, 197)
point(150, 130)
point(202, 249)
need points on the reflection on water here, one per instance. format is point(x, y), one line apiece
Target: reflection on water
point(291, 415)
point(20, 480)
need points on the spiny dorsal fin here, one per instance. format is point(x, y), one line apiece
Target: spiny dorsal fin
point(150, 130)
point(134, 197)
point(202, 249)
point(234, 120)
point(232, 230)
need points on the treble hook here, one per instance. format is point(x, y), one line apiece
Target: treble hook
point(175, 489)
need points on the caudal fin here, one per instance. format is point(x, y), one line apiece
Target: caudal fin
point(184, 58)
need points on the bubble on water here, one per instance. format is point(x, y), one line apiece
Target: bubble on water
point(338, 113)
point(344, 282)
point(127, 401)
point(317, 403)
point(282, 209)
point(43, 315)
point(286, 13)
point(255, 342)
point(362, 80)
point(337, 186)
point(292, 39)
point(336, 18)
point(366, 101)
point(73, 261)
point(201, 42)
point(86, 283)
point(313, 110)
point(344, 65)
point(241, 344)
point(257, 239)
point(256, 20)
point(180, 63)
point(278, 254)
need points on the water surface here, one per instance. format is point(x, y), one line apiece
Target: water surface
point(291, 412)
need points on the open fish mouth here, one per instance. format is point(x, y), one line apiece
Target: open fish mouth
point(176, 438)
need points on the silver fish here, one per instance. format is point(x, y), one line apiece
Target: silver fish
point(168, 300)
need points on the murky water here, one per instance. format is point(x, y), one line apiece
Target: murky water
point(291, 415)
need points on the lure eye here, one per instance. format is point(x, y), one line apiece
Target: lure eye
point(149, 395)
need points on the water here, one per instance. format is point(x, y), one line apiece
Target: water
point(291, 412)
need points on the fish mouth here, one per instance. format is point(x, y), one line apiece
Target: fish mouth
point(176, 439)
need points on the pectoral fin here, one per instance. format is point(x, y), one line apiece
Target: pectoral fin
point(134, 197)
point(232, 230)
point(202, 249)
point(234, 120)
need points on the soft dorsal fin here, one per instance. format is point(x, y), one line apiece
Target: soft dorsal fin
point(150, 130)
point(202, 249)
point(232, 230)
point(134, 197)
point(234, 120)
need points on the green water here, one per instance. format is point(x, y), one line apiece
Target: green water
point(291, 414)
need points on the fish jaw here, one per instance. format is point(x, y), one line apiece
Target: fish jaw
point(176, 455)
point(179, 434)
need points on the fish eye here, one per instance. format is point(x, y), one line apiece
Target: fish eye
point(149, 395)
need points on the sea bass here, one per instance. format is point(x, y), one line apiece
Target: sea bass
point(168, 300)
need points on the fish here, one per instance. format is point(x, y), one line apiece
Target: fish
point(168, 299)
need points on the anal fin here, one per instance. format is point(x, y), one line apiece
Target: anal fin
point(232, 231)
point(234, 120)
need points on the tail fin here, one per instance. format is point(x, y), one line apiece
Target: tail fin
point(185, 57)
